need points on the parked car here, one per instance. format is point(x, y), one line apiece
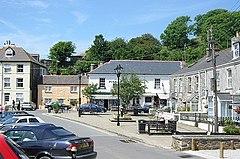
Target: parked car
point(9, 114)
point(144, 109)
point(28, 106)
point(23, 119)
point(48, 141)
point(92, 108)
point(10, 150)
point(6, 127)
point(61, 106)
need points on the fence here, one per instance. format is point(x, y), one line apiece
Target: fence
point(204, 118)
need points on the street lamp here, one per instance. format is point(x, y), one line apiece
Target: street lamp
point(118, 70)
point(79, 93)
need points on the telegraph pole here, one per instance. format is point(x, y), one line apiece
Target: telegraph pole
point(214, 80)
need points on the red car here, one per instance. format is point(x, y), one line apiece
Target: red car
point(9, 149)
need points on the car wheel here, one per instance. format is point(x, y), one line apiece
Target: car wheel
point(45, 157)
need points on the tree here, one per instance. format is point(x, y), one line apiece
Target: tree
point(143, 48)
point(89, 91)
point(131, 87)
point(99, 50)
point(59, 54)
point(176, 33)
point(118, 49)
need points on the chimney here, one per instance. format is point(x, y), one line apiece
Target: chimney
point(91, 67)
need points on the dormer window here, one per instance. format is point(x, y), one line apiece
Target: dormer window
point(9, 52)
point(236, 50)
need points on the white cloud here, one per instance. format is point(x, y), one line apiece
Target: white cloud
point(25, 3)
point(81, 18)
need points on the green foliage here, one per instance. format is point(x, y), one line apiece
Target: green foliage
point(168, 109)
point(56, 106)
point(131, 87)
point(89, 91)
point(59, 54)
point(99, 50)
point(231, 129)
point(228, 122)
point(176, 33)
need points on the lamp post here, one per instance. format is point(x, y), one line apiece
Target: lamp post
point(79, 93)
point(118, 70)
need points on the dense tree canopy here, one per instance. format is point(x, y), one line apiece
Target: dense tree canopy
point(59, 55)
point(179, 41)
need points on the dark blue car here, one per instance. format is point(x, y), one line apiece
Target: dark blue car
point(47, 141)
point(92, 108)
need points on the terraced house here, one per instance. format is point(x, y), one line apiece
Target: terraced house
point(154, 73)
point(20, 73)
point(192, 87)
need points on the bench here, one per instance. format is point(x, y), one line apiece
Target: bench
point(160, 127)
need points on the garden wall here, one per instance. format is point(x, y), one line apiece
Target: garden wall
point(205, 142)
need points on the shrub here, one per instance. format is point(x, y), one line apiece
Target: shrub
point(231, 129)
point(56, 106)
point(228, 122)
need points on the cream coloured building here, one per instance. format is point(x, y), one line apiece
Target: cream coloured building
point(62, 88)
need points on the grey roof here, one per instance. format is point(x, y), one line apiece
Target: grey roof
point(224, 96)
point(20, 55)
point(223, 57)
point(64, 79)
point(143, 67)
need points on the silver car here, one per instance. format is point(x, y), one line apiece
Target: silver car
point(28, 106)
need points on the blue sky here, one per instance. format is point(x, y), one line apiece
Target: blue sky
point(36, 25)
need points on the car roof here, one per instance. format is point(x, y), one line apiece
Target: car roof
point(42, 131)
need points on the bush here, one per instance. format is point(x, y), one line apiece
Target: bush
point(228, 122)
point(56, 106)
point(231, 129)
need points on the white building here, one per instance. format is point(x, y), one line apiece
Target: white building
point(155, 73)
point(20, 73)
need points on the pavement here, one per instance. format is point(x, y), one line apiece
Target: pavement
point(130, 130)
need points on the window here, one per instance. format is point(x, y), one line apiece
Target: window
point(157, 83)
point(48, 89)
point(6, 97)
point(9, 53)
point(19, 68)
point(19, 97)
point(196, 84)
point(218, 80)
point(7, 68)
point(22, 121)
point(236, 50)
point(180, 85)
point(6, 82)
point(19, 82)
point(148, 99)
point(175, 85)
point(229, 78)
point(73, 89)
point(102, 83)
point(33, 120)
point(60, 100)
point(189, 84)
point(47, 100)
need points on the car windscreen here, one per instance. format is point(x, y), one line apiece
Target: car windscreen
point(60, 132)
point(11, 120)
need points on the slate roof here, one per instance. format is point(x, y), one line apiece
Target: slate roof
point(223, 57)
point(224, 96)
point(64, 79)
point(20, 55)
point(140, 67)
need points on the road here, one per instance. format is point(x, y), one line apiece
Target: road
point(111, 146)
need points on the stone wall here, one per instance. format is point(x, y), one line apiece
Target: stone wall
point(205, 142)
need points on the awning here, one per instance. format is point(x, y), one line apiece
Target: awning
point(224, 96)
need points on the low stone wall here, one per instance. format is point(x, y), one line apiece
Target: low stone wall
point(205, 142)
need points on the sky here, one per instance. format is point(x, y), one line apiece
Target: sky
point(36, 25)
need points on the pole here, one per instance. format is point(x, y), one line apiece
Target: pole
point(212, 48)
point(118, 123)
point(79, 95)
